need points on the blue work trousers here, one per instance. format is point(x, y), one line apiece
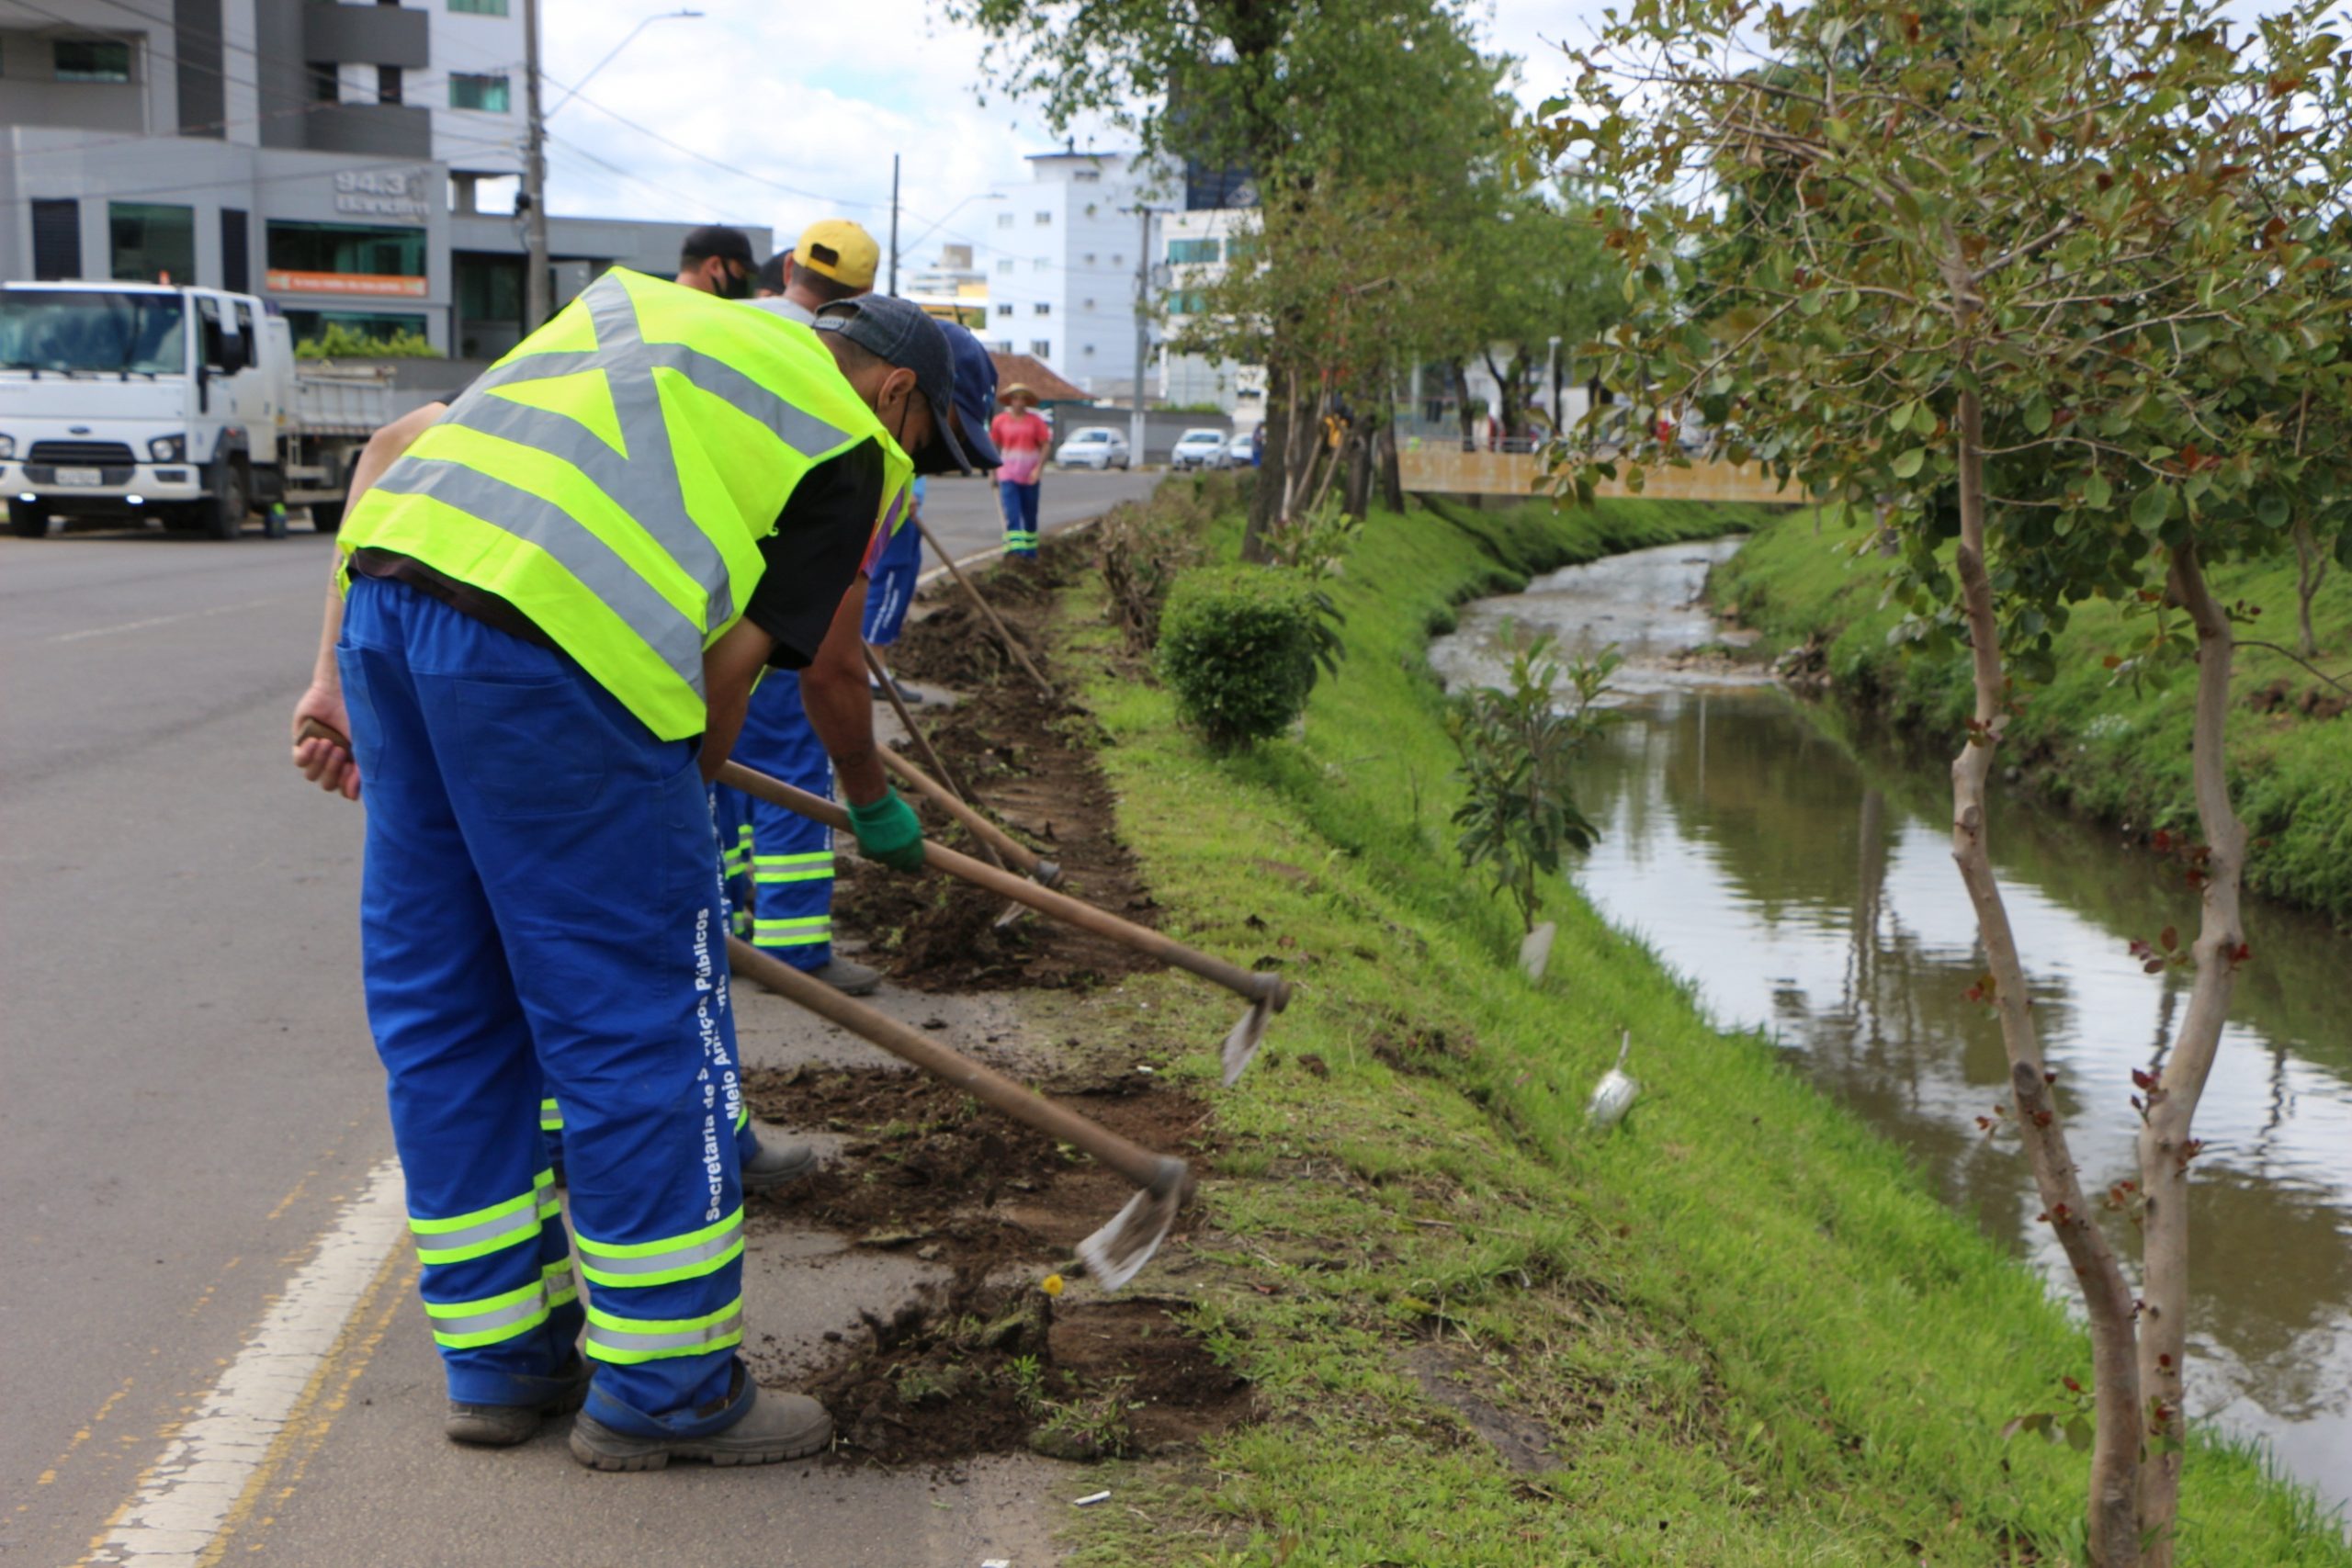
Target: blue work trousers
point(1019, 505)
point(893, 587)
point(790, 858)
point(541, 917)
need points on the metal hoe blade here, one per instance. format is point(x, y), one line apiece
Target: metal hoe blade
point(1242, 1044)
point(1047, 875)
point(1115, 1254)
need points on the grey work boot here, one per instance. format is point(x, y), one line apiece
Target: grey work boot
point(504, 1425)
point(777, 1163)
point(778, 1426)
point(849, 977)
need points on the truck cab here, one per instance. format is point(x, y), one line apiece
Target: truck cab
point(131, 399)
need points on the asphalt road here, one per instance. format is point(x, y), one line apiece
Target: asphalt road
point(197, 1200)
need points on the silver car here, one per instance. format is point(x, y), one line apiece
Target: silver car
point(1096, 446)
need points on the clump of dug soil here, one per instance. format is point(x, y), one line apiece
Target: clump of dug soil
point(1028, 758)
point(992, 1363)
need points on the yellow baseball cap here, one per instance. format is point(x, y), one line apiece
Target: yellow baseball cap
point(838, 249)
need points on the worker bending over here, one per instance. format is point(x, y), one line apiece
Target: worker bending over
point(554, 605)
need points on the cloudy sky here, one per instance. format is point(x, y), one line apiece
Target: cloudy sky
point(807, 101)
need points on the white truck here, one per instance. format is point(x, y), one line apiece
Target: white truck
point(122, 401)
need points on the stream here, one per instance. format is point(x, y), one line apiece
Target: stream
point(1802, 882)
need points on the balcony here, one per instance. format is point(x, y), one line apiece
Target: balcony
point(384, 130)
point(365, 35)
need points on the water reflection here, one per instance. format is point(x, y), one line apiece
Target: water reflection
point(1804, 880)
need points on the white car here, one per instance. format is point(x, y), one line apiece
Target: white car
point(1241, 452)
point(1198, 449)
point(1097, 446)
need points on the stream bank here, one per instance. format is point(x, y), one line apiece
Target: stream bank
point(1797, 868)
point(1743, 1329)
point(2118, 754)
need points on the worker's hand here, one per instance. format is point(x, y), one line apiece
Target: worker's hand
point(324, 764)
point(888, 831)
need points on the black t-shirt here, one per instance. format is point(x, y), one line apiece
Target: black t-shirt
point(813, 556)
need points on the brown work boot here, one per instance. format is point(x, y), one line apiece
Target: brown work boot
point(776, 1427)
point(504, 1425)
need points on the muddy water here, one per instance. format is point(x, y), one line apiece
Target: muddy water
point(1803, 881)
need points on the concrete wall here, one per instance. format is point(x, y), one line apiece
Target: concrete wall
point(31, 94)
point(371, 35)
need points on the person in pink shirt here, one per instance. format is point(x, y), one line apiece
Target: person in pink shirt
point(1023, 438)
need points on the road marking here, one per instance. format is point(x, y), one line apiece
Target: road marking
point(211, 1471)
point(166, 620)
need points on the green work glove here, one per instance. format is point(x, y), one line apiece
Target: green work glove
point(888, 830)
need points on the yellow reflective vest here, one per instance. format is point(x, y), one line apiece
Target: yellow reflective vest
point(612, 476)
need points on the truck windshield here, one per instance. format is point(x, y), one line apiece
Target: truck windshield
point(76, 329)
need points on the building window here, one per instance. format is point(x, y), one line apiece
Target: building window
point(236, 270)
point(1184, 252)
point(151, 242)
point(1043, 347)
point(1118, 260)
point(387, 84)
point(1088, 258)
point(345, 258)
point(487, 93)
point(1002, 345)
point(1088, 177)
point(57, 239)
point(479, 7)
point(326, 82)
point(1045, 219)
point(1043, 309)
point(92, 59)
point(1004, 219)
point(1088, 349)
point(1005, 266)
point(1039, 263)
point(1004, 309)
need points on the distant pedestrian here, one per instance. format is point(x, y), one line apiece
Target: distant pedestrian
point(1258, 446)
point(1023, 438)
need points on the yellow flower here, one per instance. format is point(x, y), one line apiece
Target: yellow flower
point(1051, 1284)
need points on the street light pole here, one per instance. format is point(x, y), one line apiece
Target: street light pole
point(1559, 417)
point(534, 179)
point(1143, 329)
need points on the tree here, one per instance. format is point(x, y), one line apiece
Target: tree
point(2072, 270)
point(1531, 268)
point(1390, 96)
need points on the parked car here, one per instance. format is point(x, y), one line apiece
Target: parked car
point(1241, 452)
point(1096, 446)
point(1201, 448)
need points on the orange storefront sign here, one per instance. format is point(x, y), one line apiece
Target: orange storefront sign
point(375, 284)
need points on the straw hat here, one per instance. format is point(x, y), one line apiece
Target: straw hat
point(1016, 391)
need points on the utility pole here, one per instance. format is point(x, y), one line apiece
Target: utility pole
point(534, 179)
point(894, 223)
point(1143, 329)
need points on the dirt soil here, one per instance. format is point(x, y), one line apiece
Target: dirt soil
point(992, 1361)
point(1028, 758)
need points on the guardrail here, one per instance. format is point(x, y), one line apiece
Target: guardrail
point(1455, 472)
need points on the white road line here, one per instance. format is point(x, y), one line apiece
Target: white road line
point(163, 620)
point(186, 1496)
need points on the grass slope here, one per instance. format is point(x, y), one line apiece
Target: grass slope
point(1744, 1327)
point(2118, 753)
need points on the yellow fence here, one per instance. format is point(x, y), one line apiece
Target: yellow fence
point(1455, 472)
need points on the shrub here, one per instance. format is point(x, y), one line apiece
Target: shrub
point(339, 340)
point(1238, 646)
point(1141, 547)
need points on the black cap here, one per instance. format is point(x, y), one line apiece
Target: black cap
point(898, 332)
point(718, 240)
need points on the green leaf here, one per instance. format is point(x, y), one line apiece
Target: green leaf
point(2078, 1434)
point(2097, 492)
point(2272, 508)
point(1900, 420)
point(2037, 416)
point(2152, 506)
point(1910, 462)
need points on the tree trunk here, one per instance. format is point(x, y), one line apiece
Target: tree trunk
point(1461, 404)
point(1392, 474)
point(2311, 571)
point(1266, 499)
point(2115, 1450)
point(1356, 497)
point(2166, 1146)
point(1506, 389)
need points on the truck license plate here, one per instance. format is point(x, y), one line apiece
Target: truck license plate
point(81, 476)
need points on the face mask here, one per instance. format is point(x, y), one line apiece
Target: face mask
point(733, 285)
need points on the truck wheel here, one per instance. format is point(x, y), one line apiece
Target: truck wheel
point(28, 519)
point(326, 516)
point(226, 518)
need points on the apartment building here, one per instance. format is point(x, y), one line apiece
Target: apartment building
point(1197, 245)
point(337, 159)
point(1060, 254)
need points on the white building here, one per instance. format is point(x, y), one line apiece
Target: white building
point(1196, 247)
point(1060, 255)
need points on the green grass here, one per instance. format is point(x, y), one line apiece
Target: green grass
point(1753, 1335)
point(2107, 749)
